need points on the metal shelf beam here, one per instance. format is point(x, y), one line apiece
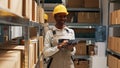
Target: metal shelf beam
point(79, 25)
point(115, 1)
point(9, 18)
point(78, 9)
point(114, 25)
point(117, 55)
point(86, 57)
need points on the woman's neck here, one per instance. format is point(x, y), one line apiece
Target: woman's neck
point(59, 26)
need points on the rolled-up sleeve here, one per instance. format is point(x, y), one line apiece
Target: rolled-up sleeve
point(49, 50)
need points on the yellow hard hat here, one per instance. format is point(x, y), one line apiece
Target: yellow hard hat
point(45, 16)
point(60, 9)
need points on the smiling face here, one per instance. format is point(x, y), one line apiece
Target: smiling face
point(60, 18)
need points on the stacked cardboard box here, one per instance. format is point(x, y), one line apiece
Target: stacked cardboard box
point(4, 3)
point(10, 59)
point(74, 3)
point(82, 3)
point(89, 17)
point(81, 48)
point(114, 44)
point(114, 17)
point(50, 17)
point(23, 8)
point(113, 62)
point(91, 3)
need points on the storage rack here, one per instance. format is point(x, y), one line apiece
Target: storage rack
point(112, 26)
point(11, 19)
point(82, 25)
point(113, 53)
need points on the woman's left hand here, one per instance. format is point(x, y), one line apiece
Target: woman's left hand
point(70, 47)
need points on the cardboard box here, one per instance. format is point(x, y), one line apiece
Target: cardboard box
point(34, 11)
point(33, 32)
point(113, 17)
point(81, 64)
point(16, 6)
point(7, 63)
point(4, 3)
point(7, 56)
point(41, 43)
point(118, 63)
point(31, 55)
point(41, 14)
point(74, 3)
point(36, 53)
point(91, 3)
point(118, 16)
point(50, 17)
point(81, 48)
point(112, 62)
point(88, 17)
point(118, 40)
point(109, 42)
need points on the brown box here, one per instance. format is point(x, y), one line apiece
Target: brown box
point(89, 17)
point(41, 43)
point(118, 16)
point(50, 17)
point(115, 44)
point(74, 3)
point(113, 17)
point(31, 55)
point(34, 11)
point(81, 48)
point(112, 62)
point(10, 56)
point(29, 10)
point(118, 40)
point(7, 63)
point(118, 63)
point(4, 3)
point(16, 6)
point(112, 43)
point(36, 53)
point(33, 32)
point(81, 64)
point(91, 3)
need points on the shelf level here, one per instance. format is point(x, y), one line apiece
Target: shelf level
point(115, 1)
point(78, 9)
point(9, 18)
point(113, 53)
point(78, 25)
point(114, 25)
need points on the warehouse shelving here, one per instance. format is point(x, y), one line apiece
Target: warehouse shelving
point(113, 37)
point(11, 19)
point(112, 25)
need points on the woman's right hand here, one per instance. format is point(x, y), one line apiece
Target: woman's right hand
point(63, 44)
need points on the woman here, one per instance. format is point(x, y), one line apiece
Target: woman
point(60, 52)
